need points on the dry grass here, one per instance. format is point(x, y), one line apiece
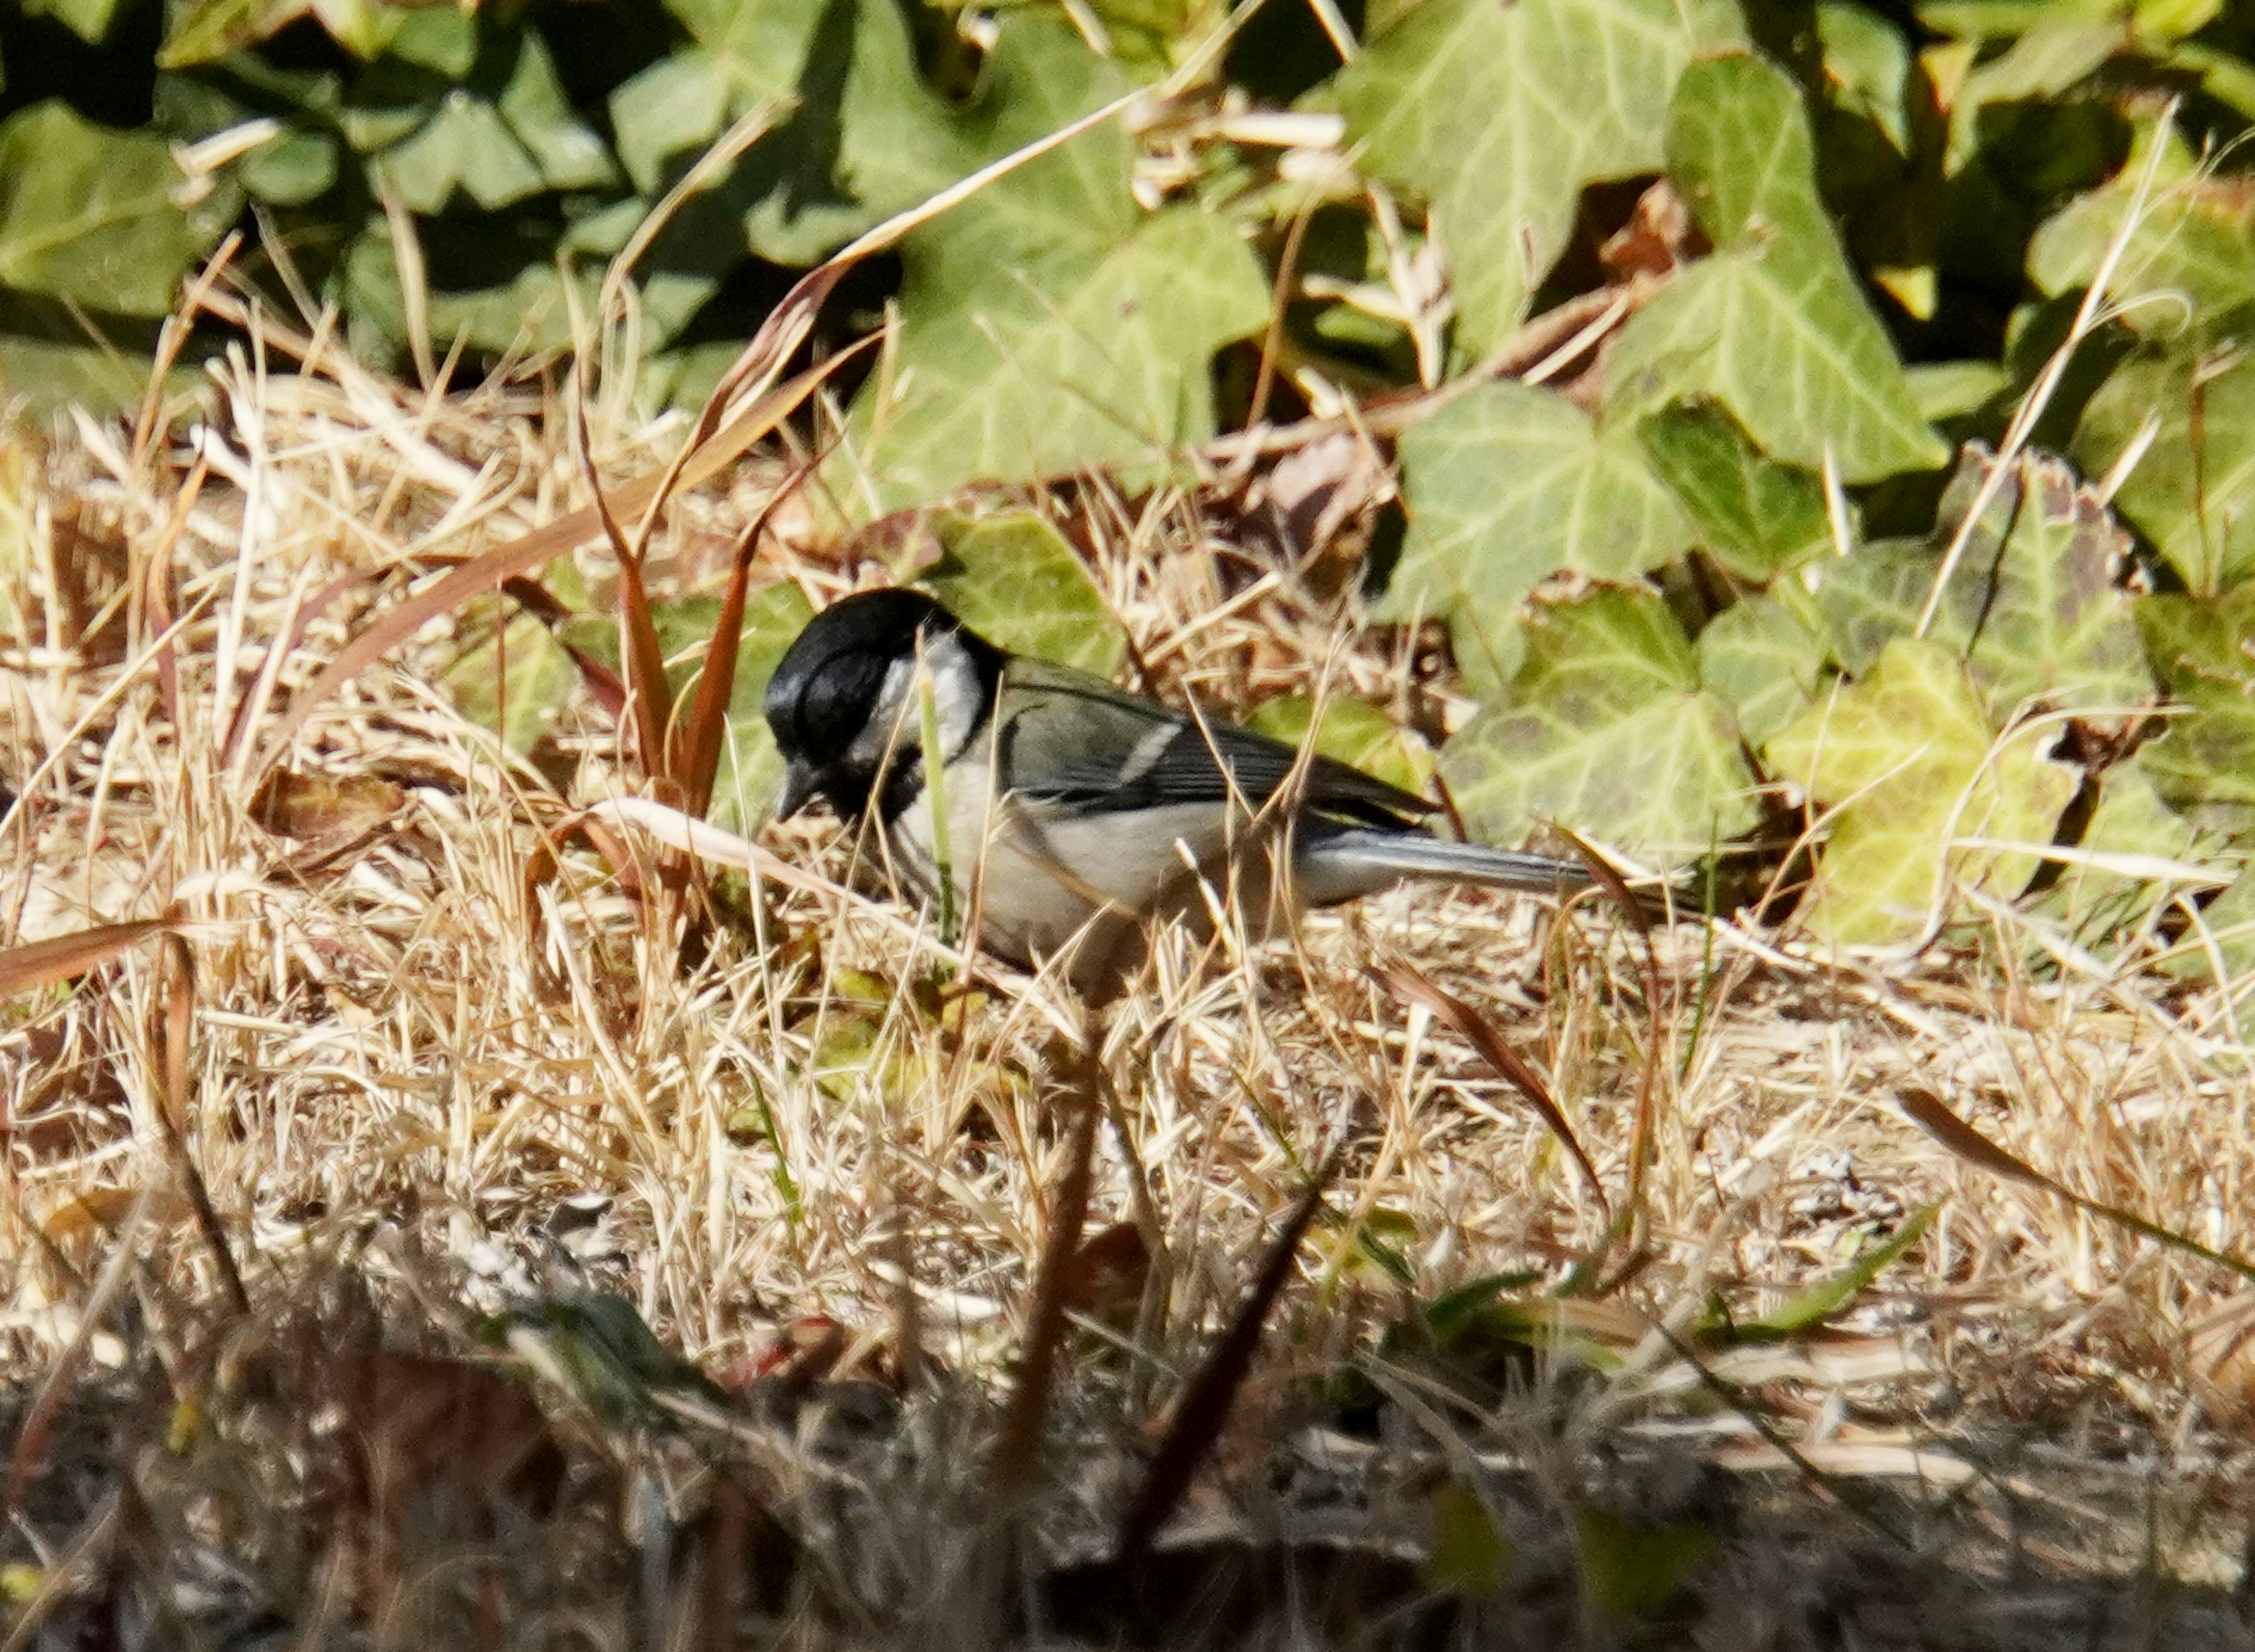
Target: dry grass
point(425, 1080)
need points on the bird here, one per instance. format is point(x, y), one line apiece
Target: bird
point(1064, 815)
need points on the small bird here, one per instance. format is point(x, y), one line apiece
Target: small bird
point(1073, 813)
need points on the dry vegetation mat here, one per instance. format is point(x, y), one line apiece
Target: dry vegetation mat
point(472, 1179)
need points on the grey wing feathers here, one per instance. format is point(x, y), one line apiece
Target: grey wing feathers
point(1101, 750)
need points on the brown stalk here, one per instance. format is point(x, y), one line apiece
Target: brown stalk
point(1405, 981)
point(1205, 1406)
point(697, 760)
point(177, 966)
point(647, 703)
point(38, 963)
point(1644, 1123)
point(1017, 1446)
point(158, 594)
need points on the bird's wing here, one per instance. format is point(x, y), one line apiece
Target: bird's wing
point(1101, 748)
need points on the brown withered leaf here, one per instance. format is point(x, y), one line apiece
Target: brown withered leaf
point(1107, 1277)
point(442, 1438)
point(1658, 237)
point(320, 806)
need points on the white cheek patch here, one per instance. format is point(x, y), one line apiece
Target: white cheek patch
point(957, 694)
point(890, 726)
point(895, 722)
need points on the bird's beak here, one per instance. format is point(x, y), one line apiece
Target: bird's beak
point(798, 789)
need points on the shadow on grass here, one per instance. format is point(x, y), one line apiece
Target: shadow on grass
point(338, 1475)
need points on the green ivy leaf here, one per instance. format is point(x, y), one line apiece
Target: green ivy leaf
point(53, 358)
point(291, 168)
point(2036, 590)
point(2190, 256)
point(1764, 656)
point(667, 114)
point(2031, 605)
point(494, 137)
point(1756, 516)
point(2047, 60)
point(204, 30)
point(1014, 579)
point(2092, 903)
point(2229, 921)
point(87, 214)
point(1048, 324)
point(1869, 71)
point(2193, 494)
point(2204, 654)
point(1508, 484)
point(512, 679)
point(1358, 735)
point(1499, 114)
point(1772, 325)
point(1606, 730)
point(866, 140)
point(1913, 766)
point(1875, 594)
point(88, 19)
point(531, 311)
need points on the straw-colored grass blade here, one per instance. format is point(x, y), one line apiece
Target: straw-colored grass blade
point(535, 550)
point(1931, 1114)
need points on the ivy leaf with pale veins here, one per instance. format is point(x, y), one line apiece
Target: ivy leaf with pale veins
point(1499, 114)
point(1766, 654)
point(1772, 325)
point(1912, 767)
point(1606, 730)
point(1510, 484)
point(1756, 516)
point(1048, 324)
point(2035, 588)
point(2204, 653)
point(1014, 579)
point(1874, 594)
point(2193, 493)
point(2032, 607)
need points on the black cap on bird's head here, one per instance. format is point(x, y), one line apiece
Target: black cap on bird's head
point(840, 691)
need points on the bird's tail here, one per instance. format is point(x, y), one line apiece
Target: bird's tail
point(1351, 861)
